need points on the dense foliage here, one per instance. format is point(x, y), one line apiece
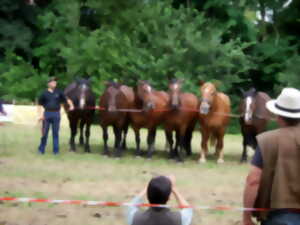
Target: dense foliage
point(238, 43)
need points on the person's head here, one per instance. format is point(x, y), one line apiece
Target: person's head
point(286, 107)
point(159, 190)
point(52, 82)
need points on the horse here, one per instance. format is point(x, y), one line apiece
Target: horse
point(182, 119)
point(254, 118)
point(213, 117)
point(84, 101)
point(152, 106)
point(115, 98)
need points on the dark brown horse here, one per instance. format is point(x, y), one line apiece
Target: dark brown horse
point(115, 98)
point(181, 118)
point(153, 105)
point(214, 118)
point(84, 100)
point(254, 119)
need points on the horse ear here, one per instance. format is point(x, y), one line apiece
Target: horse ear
point(217, 83)
point(106, 83)
point(242, 90)
point(201, 82)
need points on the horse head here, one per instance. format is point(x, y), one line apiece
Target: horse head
point(174, 92)
point(112, 90)
point(144, 92)
point(248, 107)
point(208, 92)
point(83, 87)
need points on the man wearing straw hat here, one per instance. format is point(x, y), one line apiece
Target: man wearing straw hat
point(49, 113)
point(273, 182)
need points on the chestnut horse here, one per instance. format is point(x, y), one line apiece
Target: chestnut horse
point(153, 106)
point(181, 118)
point(254, 119)
point(84, 101)
point(115, 98)
point(214, 118)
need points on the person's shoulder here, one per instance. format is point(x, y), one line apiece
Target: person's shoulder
point(270, 133)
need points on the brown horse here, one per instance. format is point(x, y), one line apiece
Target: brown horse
point(182, 119)
point(254, 119)
point(214, 110)
point(153, 105)
point(84, 101)
point(115, 98)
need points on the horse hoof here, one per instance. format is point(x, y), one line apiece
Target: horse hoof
point(202, 160)
point(105, 153)
point(220, 161)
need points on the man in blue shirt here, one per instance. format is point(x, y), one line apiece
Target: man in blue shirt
point(158, 191)
point(2, 112)
point(49, 104)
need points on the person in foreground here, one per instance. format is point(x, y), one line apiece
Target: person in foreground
point(273, 181)
point(159, 191)
point(49, 113)
point(2, 112)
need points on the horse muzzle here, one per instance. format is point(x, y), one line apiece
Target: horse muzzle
point(204, 108)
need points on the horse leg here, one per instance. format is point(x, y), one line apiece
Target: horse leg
point(169, 142)
point(125, 131)
point(188, 140)
point(244, 154)
point(87, 136)
point(137, 141)
point(118, 139)
point(177, 143)
point(151, 142)
point(81, 140)
point(73, 127)
point(205, 133)
point(105, 138)
point(220, 145)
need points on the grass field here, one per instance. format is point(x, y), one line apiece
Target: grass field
point(24, 173)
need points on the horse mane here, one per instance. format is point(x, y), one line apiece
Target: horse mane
point(173, 81)
point(261, 98)
point(114, 84)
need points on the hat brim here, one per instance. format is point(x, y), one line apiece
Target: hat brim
point(271, 106)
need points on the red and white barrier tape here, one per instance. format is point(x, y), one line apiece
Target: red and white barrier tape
point(118, 204)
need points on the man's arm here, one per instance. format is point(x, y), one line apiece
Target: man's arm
point(40, 113)
point(250, 192)
point(186, 213)
point(70, 103)
point(132, 209)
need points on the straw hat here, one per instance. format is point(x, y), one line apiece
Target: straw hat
point(287, 103)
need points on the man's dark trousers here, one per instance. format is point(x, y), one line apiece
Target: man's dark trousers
point(281, 217)
point(53, 119)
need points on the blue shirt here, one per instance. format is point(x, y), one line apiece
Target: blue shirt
point(257, 159)
point(52, 100)
point(186, 213)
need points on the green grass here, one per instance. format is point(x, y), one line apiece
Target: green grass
point(24, 173)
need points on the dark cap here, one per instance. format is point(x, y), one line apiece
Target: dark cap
point(52, 79)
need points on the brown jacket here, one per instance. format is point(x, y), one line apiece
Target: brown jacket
point(157, 216)
point(280, 184)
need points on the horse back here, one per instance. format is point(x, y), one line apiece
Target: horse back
point(189, 100)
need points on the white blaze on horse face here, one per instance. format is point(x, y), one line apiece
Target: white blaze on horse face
point(82, 97)
point(248, 113)
point(148, 88)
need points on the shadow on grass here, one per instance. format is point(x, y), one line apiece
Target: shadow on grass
point(158, 155)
